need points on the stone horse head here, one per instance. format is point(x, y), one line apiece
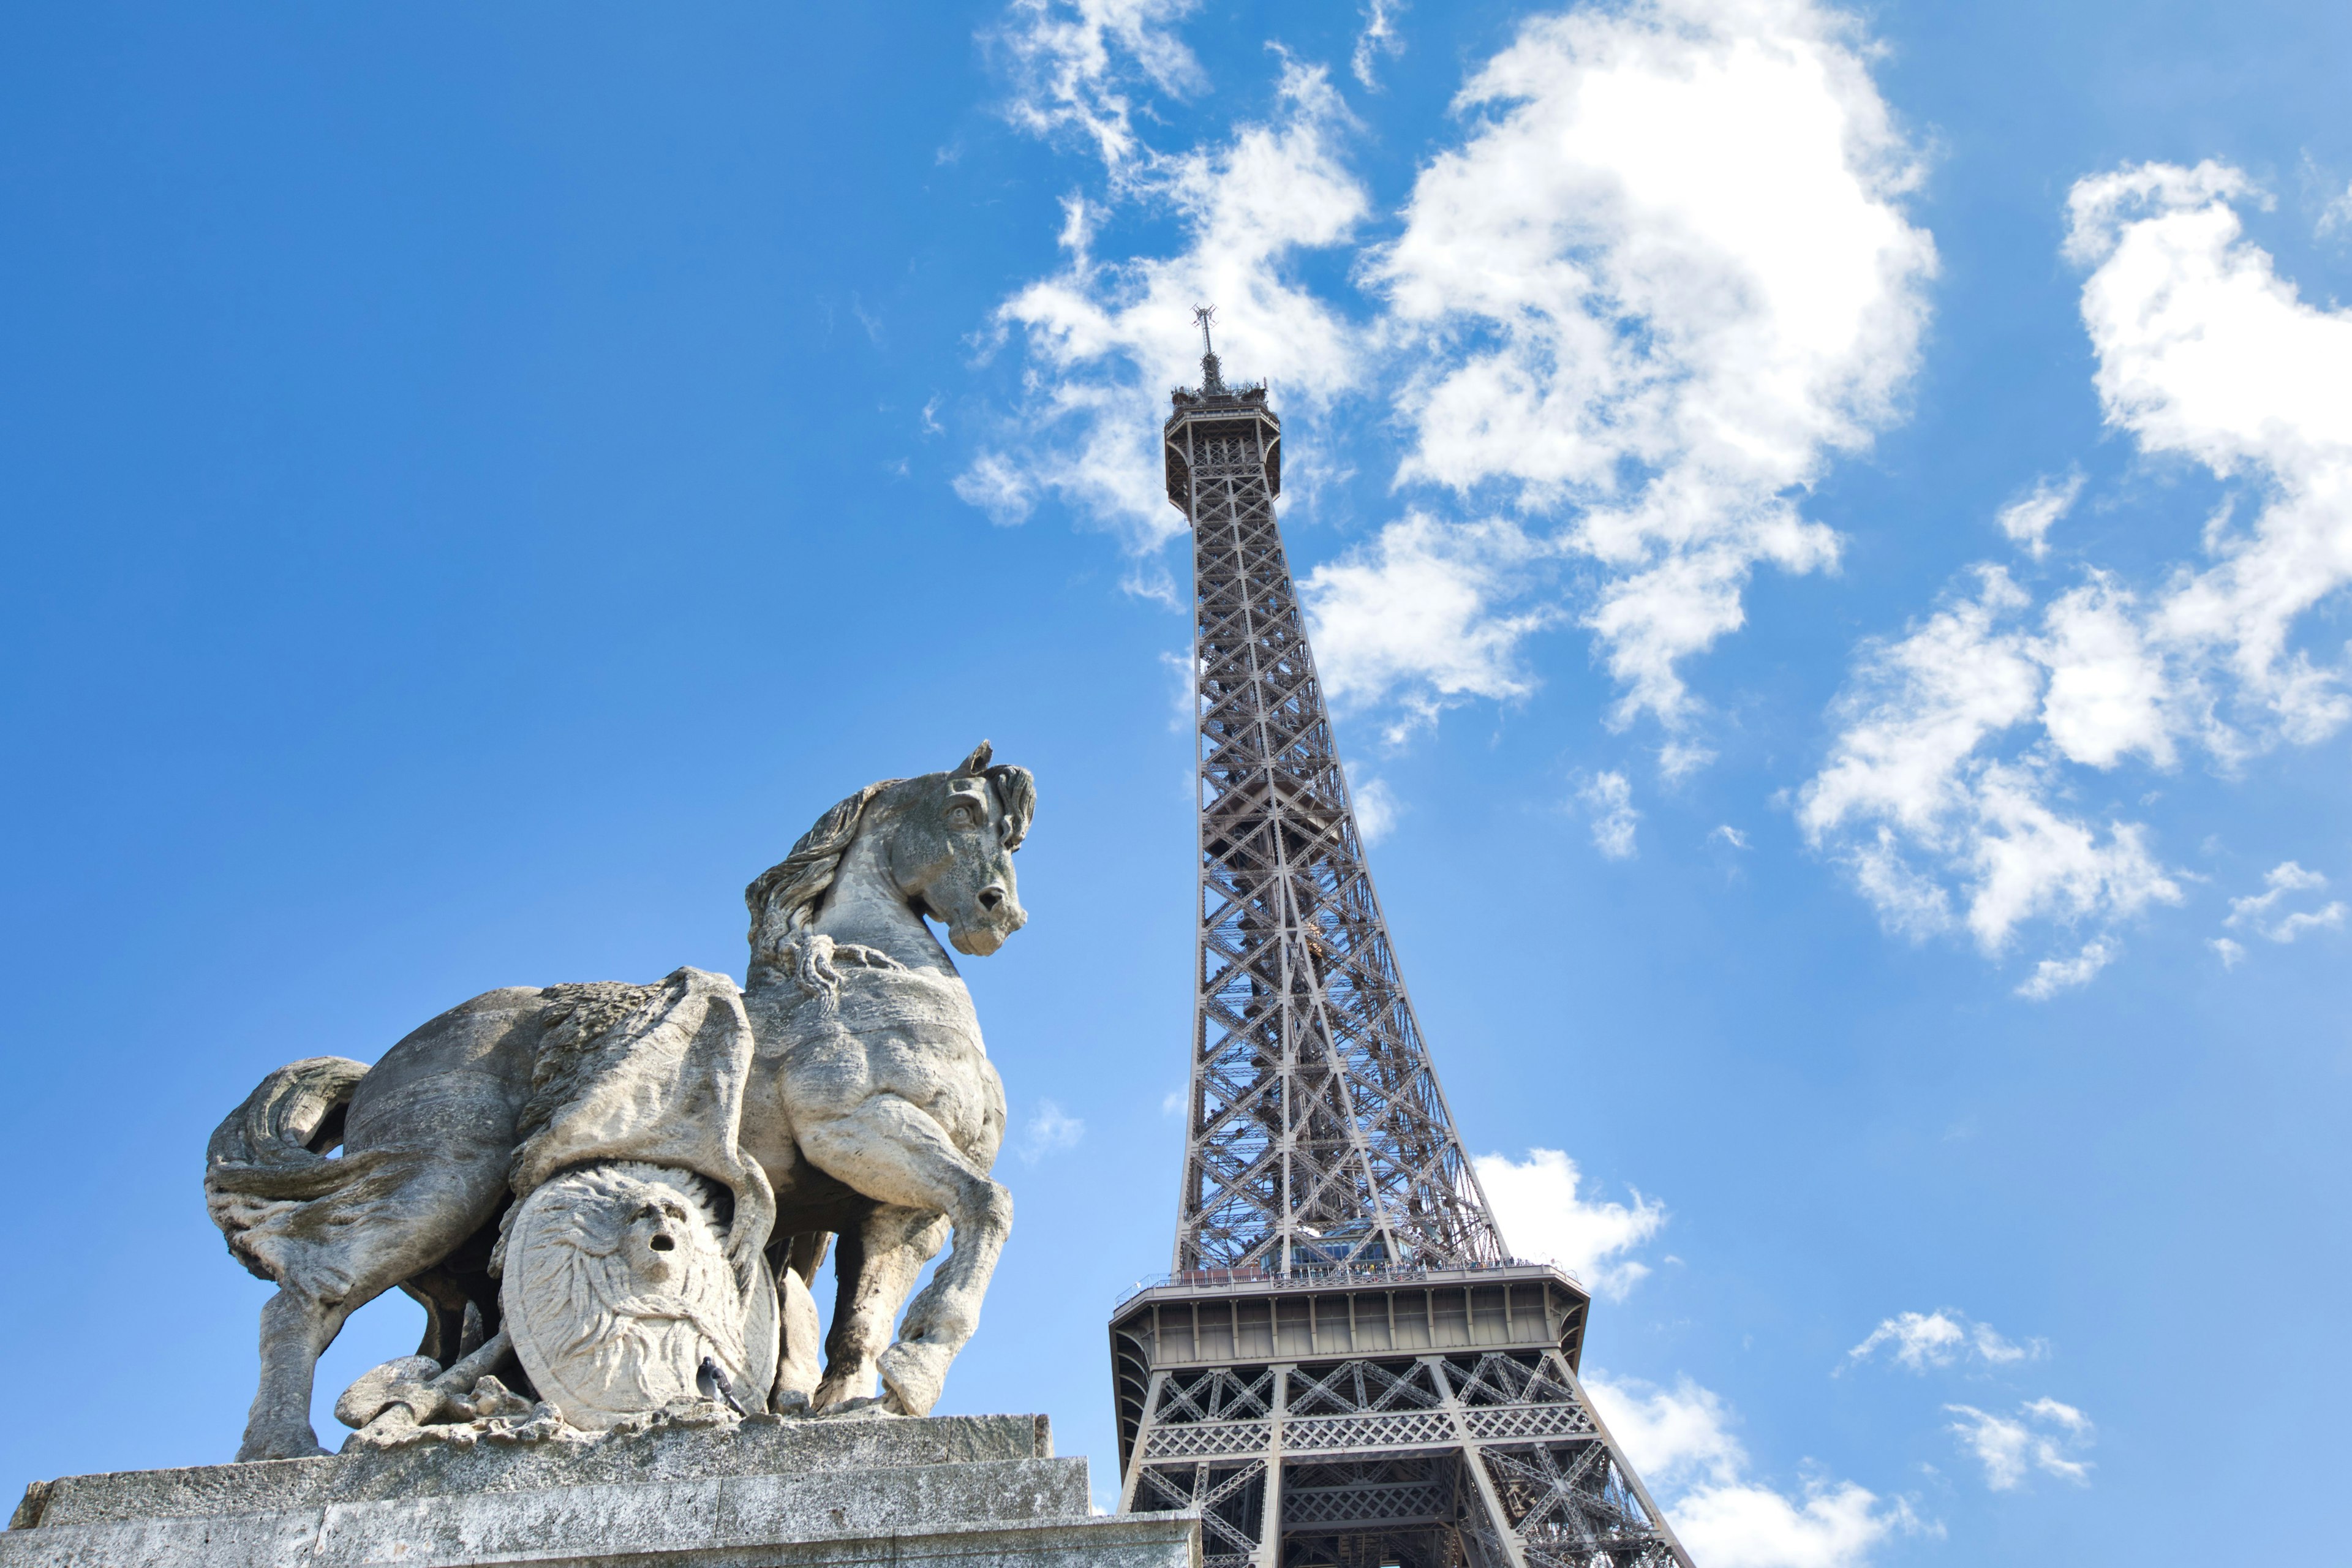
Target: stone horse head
point(944, 843)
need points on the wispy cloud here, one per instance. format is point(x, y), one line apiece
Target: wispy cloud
point(2257, 911)
point(1075, 66)
point(2028, 518)
point(1049, 1131)
point(2043, 1436)
point(2053, 976)
point(1919, 1341)
point(1608, 802)
point(1378, 39)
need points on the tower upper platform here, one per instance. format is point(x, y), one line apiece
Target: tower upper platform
point(1221, 426)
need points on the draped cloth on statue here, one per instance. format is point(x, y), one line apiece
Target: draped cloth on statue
point(621, 1272)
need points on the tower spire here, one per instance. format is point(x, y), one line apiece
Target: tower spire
point(1212, 378)
point(1344, 1367)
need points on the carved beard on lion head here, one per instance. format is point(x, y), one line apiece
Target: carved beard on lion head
point(617, 1286)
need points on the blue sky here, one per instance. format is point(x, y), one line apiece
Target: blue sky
point(1828, 532)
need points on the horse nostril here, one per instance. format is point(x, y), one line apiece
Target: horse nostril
point(663, 1243)
point(990, 898)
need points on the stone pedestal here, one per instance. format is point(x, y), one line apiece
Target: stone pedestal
point(967, 1491)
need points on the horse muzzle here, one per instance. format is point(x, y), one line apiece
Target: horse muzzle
point(984, 936)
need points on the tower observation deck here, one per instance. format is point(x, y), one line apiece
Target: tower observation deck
point(1344, 1367)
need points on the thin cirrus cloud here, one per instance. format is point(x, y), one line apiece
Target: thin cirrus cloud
point(1661, 281)
point(1049, 1131)
point(1072, 64)
point(1607, 799)
point(2044, 1435)
point(1921, 1341)
point(2264, 914)
point(1948, 792)
point(2028, 519)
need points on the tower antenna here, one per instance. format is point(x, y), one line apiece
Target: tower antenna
point(1212, 380)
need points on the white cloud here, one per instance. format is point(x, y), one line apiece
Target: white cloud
point(1074, 63)
point(1679, 1441)
point(2028, 518)
point(1412, 617)
point(1730, 834)
point(1537, 1206)
point(1909, 781)
point(1943, 1338)
point(1377, 809)
point(1173, 1103)
point(1049, 1131)
point(1956, 780)
point(1380, 37)
point(1106, 338)
point(2230, 951)
point(2252, 912)
point(2107, 695)
point(1608, 799)
point(2206, 353)
point(1664, 280)
point(2330, 919)
point(2053, 976)
point(2042, 1437)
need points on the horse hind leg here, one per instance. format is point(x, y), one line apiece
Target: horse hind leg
point(297, 1327)
point(403, 1212)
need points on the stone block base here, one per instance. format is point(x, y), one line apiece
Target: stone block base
point(956, 1491)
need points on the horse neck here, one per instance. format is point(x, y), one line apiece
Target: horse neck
point(864, 906)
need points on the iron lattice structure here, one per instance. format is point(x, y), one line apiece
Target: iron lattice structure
point(1346, 1369)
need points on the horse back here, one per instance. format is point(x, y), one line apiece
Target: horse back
point(460, 1078)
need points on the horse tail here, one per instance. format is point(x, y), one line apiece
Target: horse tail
point(272, 1152)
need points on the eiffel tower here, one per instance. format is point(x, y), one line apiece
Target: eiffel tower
point(1346, 1368)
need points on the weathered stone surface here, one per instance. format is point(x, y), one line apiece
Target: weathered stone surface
point(1117, 1540)
point(974, 1491)
point(664, 1454)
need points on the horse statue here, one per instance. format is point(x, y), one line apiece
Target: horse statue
point(869, 1110)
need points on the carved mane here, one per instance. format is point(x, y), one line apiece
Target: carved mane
point(783, 898)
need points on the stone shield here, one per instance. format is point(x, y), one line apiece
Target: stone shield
point(620, 1296)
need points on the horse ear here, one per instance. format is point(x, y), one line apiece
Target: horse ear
point(975, 763)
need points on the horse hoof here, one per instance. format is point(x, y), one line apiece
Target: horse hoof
point(915, 1376)
point(279, 1445)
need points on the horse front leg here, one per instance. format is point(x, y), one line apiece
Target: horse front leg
point(889, 1150)
point(876, 1266)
